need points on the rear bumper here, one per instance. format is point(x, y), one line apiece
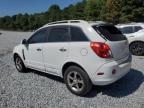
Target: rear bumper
point(122, 67)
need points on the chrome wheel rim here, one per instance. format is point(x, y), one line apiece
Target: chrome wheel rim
point(137, 48)
point(75, 81)
point(18, 63)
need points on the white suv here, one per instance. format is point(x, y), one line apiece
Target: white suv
point(135, 35)
point(80, 52)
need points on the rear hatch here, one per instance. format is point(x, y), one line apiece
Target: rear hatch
point(115, 39)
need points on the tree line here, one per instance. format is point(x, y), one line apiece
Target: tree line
point(114, 11)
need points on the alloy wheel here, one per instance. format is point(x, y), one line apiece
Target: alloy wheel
point(137, 48)
point(18, 63)
point(75, 81)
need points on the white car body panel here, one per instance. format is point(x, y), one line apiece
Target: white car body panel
point(82, 54)
point(120, 49)
point(34, 58)
point(53, 57)
point(138, 36)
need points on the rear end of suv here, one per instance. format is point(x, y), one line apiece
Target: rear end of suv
point(82, 53)
point(118, 59)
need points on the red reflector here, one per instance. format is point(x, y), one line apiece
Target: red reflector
point(113, 71)
point(100, 73)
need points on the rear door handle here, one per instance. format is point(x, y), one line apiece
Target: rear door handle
point(62, 49)
point(39, 49)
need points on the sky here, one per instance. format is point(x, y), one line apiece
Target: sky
point(12, 7)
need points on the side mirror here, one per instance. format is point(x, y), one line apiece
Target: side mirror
point(24, 42)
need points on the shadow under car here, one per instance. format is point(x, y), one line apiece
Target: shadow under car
point(121, 88)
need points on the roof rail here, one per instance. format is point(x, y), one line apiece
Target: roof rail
point(66, 21)
point(133, 23)
point(96, 22)
point(57, 22)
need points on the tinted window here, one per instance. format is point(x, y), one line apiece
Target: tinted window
point(59, 34)
point(39, 37)
point(77, 34)
point(127, 30)
point(110, 32)
point(137, 28)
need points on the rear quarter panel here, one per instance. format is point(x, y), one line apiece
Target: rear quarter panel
point(138, 36)
point(82, 54)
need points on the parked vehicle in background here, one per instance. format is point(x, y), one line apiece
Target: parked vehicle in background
point(81, 53)
point(135, 35)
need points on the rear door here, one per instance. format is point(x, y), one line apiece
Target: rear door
point(115, 39)
point(56, 50)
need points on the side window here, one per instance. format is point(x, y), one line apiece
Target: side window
point(77, 34)
point(137, 28)
point(127, 30)
point(38, 37)
point(58, 34)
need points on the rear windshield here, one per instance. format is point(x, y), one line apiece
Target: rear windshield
point(110, 32)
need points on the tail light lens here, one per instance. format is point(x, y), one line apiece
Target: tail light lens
point(101, 49)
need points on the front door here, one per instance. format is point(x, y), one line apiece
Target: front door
point(34, 50)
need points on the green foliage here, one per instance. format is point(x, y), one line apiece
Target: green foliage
point(114, 11)
point(54, 13)
point(133, 10)
point(113, 8)
point(93, 9)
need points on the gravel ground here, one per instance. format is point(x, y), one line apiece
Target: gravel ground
point(38, 90)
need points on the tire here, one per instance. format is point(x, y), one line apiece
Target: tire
point(137, 48)
point(77, 81)
point(19, 64)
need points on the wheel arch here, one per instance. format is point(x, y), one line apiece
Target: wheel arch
point(15, 54)
point(68, 64)
point(135, 42)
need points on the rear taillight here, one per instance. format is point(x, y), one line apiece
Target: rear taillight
point(101, 49)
